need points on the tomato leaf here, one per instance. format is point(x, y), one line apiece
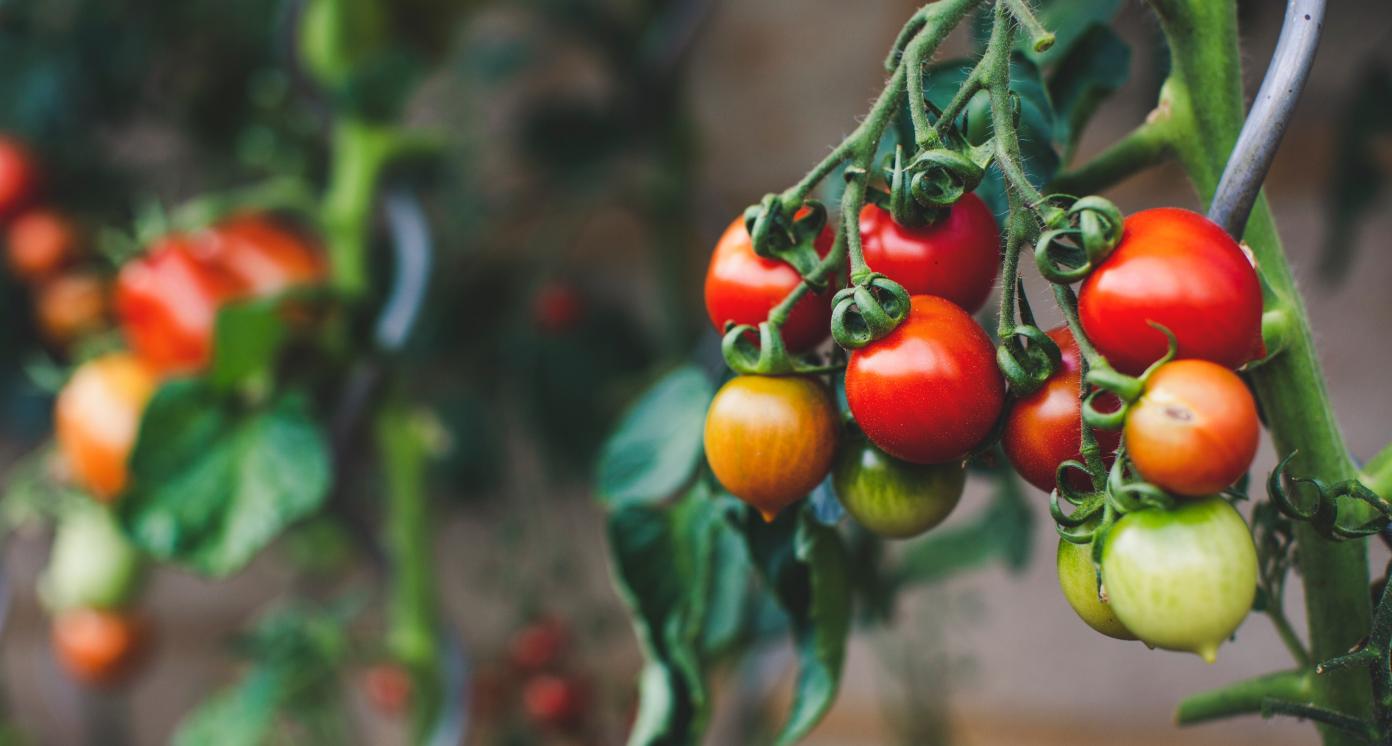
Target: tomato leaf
point(1070, 21)
point(657, 446)
point(1095, 67)
point(804, 564)
point(246, 338)
point(212, 486)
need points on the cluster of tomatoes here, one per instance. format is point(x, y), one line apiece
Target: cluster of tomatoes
point(165, 303)
point(538, 675)
point(929, 394)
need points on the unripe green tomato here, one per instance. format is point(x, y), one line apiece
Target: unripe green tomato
point(1078, 579)
point(893, 498)
point(91, 565)
point(1181, 579)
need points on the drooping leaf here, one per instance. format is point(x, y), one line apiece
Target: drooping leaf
point(246, 337)
point(1094, 68)
point(657, 446)
point(212, 485)
point(804, 564)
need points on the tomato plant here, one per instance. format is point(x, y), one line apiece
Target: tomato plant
point(929, 391)
point(956, 257)
point(742, 287)
point(893, 498)
point(770, 440)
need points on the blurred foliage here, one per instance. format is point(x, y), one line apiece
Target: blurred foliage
point(1362, 165)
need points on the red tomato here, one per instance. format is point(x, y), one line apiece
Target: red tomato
point(930, 391)
point(262, 256)
point(18, 176)
point(388, 688)
point(97, 417)
point(956, 258)
point(1178, 269)
point(1194, 431)
point(539, 645)
point(743, 287)
point(97, 647)
point(70, 305)
point(557, 308)
point(554, 701)
point(1045, 429)
point(167, 302)
point(40, 242)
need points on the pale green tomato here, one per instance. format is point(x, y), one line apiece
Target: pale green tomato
point(1181, 579)
point(92, 565)
point(1078, 579)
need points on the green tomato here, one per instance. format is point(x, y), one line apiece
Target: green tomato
point(92, 565)
point(1181, 579)
point(1078, 579)
point(894, 498)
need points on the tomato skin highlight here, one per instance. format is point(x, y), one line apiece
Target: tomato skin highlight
point(1175, 268)
point(1045, 429)
point(96, 420)
point(1195, 430)
point(39, 243)
point(1181, 579)
point(892, 498)
point(742, 287)
point(771, 440)
point(1078, 581)
point(19, 176)
point(98, 647)
point(956, 258)
point(930, 391)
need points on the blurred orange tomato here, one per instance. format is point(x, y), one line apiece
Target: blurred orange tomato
point(39, 243)
point(70, 305)
point(97, 647)
point(97, 418)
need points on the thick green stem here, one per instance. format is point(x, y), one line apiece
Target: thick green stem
point(1143, 147)
point(413, 630)
point(1245, 697)
point(1205, 97)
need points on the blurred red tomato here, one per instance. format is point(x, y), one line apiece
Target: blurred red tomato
point(98, 647)
point(18, 176)
point(39, 243)
point(554, 701)
point(539, 645)
point(264, 257)
point(167, 303)
point(557, 308)
point(388, 688)
point(70, 306)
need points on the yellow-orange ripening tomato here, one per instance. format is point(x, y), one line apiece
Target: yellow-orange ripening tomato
point(70, 306)
point(770, 440)
point(1194, 431)
point(39, 243)
point(97, 417)
point(97, 647)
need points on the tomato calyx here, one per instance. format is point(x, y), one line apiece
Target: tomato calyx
point(1088, 231)
point(1027, 367)
point(1323, 512)
point(788, 235)
point(921, 190)
point(868, 310)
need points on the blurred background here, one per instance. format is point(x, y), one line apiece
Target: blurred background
point(595, 149)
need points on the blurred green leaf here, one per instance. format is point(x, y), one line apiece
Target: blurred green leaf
point(1071, 21)
point(246, 337)
point(1358, 179)
point(212, 486)
point(1095, 67)
point(658, 444)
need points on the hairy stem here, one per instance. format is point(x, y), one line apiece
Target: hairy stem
point(1245, 697)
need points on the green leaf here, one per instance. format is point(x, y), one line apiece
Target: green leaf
point(212, 486)
point(240, 715)
point(246, 338)
point(805, 565)
point(1357, 180)
point(1070, 20)
point(661, 560)
point(1094, 68)
point(1005, 531)
point(657, 446)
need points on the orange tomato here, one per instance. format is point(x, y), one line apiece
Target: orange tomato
point(70, 306)
point(39, 243)
point(770, 440)
point(97, 647)
point(96, 420)
point(1194, 431)
point(263, 256)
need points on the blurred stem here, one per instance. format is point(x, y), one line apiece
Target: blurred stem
point(1245, 697)
point(412, 613)
point(1377, 475)
point(1141, 148)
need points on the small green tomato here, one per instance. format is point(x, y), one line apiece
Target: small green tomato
point(1078, 579)
point(894, 498)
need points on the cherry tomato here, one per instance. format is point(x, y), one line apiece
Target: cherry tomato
point(742, 287)
point(956, 258)
point(894, 498)
point(1194, 431)
point(557, 308)
point(167, 302)
point(91, 565)
point(96, 419)
point(1045, 429)
point(1078, 579)
point(770, 440)
point(554, 701)
point(1181, 579)
point(18, 176)
point(1178, 269)
point(70, 306)
point(97, 647)
point(539, 645)
point(39, 243)
point(388, 688)
point(929, 391)
point(262, 256)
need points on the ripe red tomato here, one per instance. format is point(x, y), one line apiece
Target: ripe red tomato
point(1194, 431)
point(96, 419)
point(18, 176)
point(1178, 269)
point(70, 306)
point(167, 302)
point(97, 647)
point(539, 645)
point(557, 308)
point(388, 688)
point(742, 287)
point(262, 256)
point(1045, 429)
point(956, 258)
point(770, 440)
point(930, 391)
point(39, 243)
point(554, 701)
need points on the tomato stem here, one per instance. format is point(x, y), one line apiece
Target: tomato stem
point(1245, 697)
point(1143, 147)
